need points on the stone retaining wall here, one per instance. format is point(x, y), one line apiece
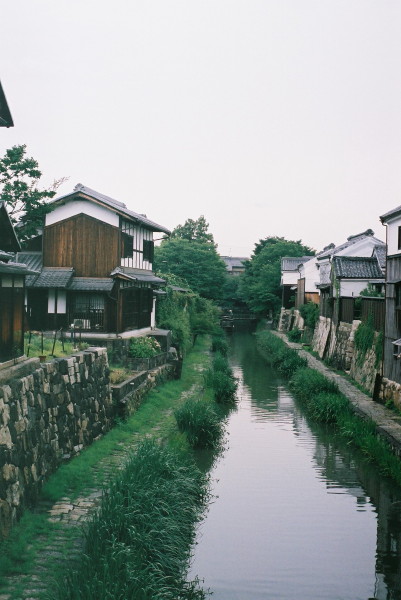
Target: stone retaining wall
point(47, 416)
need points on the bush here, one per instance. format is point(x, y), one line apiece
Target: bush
point(290, 363)
point(308, 383)
point(143, 347)
point(200, 422)
point(295, 335)
point(310, 314)
point(220, 363)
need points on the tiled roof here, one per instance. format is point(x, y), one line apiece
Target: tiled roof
point(91, 284)
point(291, 263)
point(381, 253)
point(234, 261)
point(352, 239)
point(391, 213)
point(13, 268)
point(53, 277)
point(33, 261)
point(137, 275)
point(5, 256)
point(355, 267)
point(117, 206)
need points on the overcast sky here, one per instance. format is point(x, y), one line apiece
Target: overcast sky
point(268, 117)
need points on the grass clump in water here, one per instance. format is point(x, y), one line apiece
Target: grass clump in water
point(201, 423)
point(220, 378)
point(138, 543)
point(286, 360)
point(308, 383)
point(219, 344)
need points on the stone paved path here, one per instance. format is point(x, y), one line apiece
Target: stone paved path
point(387, 421)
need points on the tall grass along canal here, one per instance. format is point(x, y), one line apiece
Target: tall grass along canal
point(298, 514)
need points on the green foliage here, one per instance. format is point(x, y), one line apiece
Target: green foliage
point(278, 354)
point(195, 261)
point(219, 343)
point(379, 348)
point(260, 286)
point(143, 347)
point(310, 314)
point(371, 292)
point(328, 407)
point(295, 335)
point(26, 203)
point(186, 313)
point(138, 543)
point(200, 422)
point(224, 386)
point(308, 383)
point(194, 231)
point(364, 338)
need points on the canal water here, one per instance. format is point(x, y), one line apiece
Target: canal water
point(297, 514)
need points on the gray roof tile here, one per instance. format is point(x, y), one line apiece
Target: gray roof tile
point(53, 277)
point(91, 284)
point(355, 267)
point(291, 263)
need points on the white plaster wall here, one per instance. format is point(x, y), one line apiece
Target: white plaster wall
point(61, 301)
point(392, 236)
point(289, 277)
point(70, 209)
point(363, 247)
point(311, 274)
point(354, 288)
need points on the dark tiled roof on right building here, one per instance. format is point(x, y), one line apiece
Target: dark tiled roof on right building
point(355, 267)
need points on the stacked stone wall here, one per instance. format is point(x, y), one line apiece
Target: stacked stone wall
point(48, 416)
point(321, 336)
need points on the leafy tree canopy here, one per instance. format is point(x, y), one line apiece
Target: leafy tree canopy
point(25, 202)
point(194, 231)
point(196, 262)
point(260, 284)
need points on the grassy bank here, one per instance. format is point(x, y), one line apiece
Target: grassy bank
point(324, 403)
point(88, 471)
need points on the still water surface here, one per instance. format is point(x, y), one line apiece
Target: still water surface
point(298, 515)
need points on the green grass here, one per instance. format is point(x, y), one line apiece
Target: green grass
point(72, 479)
point(33, 346)
point(201, 422)
point(138, 543)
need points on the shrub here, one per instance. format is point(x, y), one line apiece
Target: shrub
point(200, 422)
point(295, 335)
point(224, 386)
point(308, 383)
point(143, 347)
point(310, 314)
point(278, 355)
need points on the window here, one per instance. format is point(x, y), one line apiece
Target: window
point(127, 245)
point(148, 250)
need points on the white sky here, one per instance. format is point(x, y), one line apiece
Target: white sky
point(269, 117)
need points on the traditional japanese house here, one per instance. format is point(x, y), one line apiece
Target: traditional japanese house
point(362, 245)
point(290, 275)
point(12, 291)
point(392, 330)
point(96, 267)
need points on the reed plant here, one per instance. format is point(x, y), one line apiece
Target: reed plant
point(219, 343)
point(308, 383)
point(328, 407)
point(138, 543)
point(276, 352)
point(201, 423)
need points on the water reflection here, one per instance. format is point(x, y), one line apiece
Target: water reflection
point(299, 515)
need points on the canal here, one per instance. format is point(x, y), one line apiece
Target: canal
point(297, 514)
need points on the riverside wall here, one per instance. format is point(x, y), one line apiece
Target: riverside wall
point(49, 412)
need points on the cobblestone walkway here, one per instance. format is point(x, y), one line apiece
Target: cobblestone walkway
point(388, 423)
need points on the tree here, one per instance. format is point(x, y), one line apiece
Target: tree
point(196, 262)
point(194, 231)
point(260, 285)
point(26, 203)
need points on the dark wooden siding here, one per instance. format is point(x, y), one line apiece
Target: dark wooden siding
point(88, 245)
point(11, 322)
point(391, 364)
point(346, 310)
point(375, 309)
point(300, 297)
